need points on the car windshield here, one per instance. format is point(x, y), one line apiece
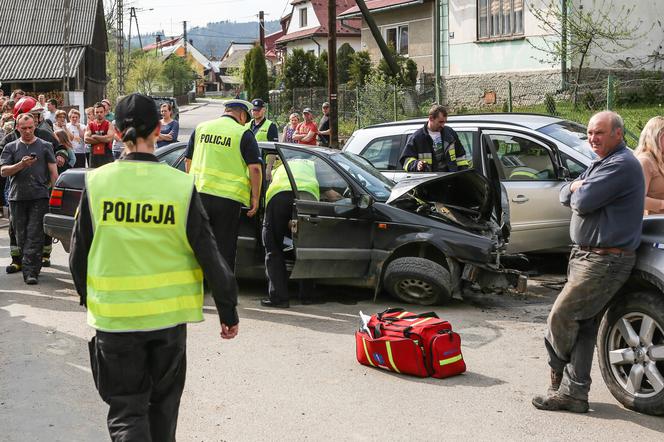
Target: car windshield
point(365, 174)
point(571, 134)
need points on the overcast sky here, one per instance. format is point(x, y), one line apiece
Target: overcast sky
point(169, 14)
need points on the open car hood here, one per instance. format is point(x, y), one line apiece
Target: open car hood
point(467, 191)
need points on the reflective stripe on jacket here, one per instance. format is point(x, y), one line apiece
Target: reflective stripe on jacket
point(420, 147)
point(304, 174)
point(142, 273)
point(217, 163)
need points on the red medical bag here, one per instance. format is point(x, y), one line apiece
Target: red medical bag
point(410, 343)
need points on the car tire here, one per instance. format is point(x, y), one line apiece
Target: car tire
point(418, 281)
point(623, 363)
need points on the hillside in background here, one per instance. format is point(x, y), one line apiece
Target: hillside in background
point(214, 38)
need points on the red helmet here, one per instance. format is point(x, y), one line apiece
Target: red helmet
point(23, 106)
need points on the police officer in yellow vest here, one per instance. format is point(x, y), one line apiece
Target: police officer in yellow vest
point(141, 247)
point(262, 128)
point(224, 159)
point(278, 212)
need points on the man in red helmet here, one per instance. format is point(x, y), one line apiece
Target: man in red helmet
point(22, 106)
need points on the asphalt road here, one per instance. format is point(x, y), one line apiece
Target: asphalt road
point(292, 374)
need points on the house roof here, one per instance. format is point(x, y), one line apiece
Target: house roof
point(378, 6)
point(235, 60)
point(162, 44)
point(320, 9)
point(41, 22)
point(32, 37)
point(191, 49)
point(270, 43)
point(23, 63)
point(229, 79)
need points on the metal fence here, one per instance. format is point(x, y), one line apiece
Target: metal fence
point(636, 99)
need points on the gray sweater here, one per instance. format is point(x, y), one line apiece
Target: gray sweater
point(607, 210)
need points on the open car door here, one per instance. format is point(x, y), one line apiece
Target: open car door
point(331, 234)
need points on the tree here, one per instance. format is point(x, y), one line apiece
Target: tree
point(258, 78)
point(344, 59)
point(178, 74)
point(246, 74)
point(144, 74)
point(407, 70)
point(321, 69)
point(602, 28)
point(300, 70)
point(360, 68)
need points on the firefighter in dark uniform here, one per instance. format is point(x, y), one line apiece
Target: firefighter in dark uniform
point(278, 213)
point(224, 159)
point(434, 147)
point(141, 247)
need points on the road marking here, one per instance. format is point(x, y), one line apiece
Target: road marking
point(292, 313)
point(80, 367)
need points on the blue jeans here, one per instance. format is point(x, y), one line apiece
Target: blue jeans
point(592, 281)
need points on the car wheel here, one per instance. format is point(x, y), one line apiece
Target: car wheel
point(631, 351)
point(418, 281)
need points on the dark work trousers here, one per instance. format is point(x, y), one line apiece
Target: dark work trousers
point(141, 376)
point(15, 250)
point(80, 160)
point(592, 281)
point(275, 228)
point(224, 217)
point(278, 213)
point(28, 224)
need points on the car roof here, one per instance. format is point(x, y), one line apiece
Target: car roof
point(530, 121)
point(270, 145)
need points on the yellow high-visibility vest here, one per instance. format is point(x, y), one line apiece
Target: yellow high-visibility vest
point(217, 163)
point(142, 272)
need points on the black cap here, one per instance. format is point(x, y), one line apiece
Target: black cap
point(258, 104)
point(138, 111)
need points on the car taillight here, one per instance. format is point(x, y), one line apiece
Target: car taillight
point(56, 198)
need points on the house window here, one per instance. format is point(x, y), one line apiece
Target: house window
point(499, 18)
point(397, 38)
point(303, 17)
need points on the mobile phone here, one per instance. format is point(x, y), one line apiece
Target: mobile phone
point(33, 155)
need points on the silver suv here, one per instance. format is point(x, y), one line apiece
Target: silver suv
point(534, 155)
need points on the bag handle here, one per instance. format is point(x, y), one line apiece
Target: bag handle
point(416, 316)
point(389, 310)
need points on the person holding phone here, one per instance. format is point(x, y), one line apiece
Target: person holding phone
point(30, 164)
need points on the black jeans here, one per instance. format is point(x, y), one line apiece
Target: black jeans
point(27, 219)
point(592, 281)
point(80, 160)
point(141, 376)
point(224, 217)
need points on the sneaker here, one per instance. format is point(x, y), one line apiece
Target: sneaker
point(46, 261)
point(556, 379)
point(560, 402)
point(13, 268)
point(31, 280)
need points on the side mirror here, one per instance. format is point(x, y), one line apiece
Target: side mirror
point(365, 201)
point(563, 172)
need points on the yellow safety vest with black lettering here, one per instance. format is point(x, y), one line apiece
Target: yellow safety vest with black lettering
point(217, 163)
point(304, 174)
point(142, 272)
point(261, 135)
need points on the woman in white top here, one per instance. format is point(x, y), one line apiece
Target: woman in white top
point(78, 132)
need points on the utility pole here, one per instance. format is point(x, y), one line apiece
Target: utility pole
point(261, 29)
point(332, 72)
point(375, 32)
point(65, 58)
point(184, 34)
point(119, 48)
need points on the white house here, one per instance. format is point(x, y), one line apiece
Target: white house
point(307, 27)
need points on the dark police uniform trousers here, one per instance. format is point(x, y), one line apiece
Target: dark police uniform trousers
point(224, 214)
point(141, 377)
point(275, 228)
